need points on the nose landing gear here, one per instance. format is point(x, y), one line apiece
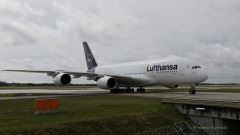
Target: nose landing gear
point(192, 90)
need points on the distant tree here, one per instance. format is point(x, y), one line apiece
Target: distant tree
point(3, 83)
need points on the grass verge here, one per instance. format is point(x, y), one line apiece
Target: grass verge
point(89, 114)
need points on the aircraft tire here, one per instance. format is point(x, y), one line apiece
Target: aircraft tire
point(140, 90)
point(192, 92)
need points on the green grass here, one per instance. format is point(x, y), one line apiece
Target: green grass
point(94, 114)
point(89, 114)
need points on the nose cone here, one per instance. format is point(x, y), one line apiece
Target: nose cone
point(204, 75)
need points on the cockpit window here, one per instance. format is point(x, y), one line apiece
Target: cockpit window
point(195, 67)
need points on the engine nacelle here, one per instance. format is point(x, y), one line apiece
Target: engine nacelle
point(106, 82)
point(171, 86)
point(62, 79)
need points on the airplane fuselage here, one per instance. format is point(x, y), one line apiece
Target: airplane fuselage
point(157, 72)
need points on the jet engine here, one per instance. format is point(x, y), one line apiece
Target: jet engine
point(62, 79)
point(171, 86)
point(106, 82)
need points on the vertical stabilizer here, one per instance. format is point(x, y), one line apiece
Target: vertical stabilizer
point(91, 62)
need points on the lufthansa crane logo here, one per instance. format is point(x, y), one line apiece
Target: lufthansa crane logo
point(89, 60)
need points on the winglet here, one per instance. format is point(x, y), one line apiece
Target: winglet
point(91, 62)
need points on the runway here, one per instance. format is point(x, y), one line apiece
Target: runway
point(169, 94)
point(46, 93)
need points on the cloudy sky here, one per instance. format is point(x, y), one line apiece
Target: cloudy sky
point(48, 35)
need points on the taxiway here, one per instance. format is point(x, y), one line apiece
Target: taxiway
point(169, 94)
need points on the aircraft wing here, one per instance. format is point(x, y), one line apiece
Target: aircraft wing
point(120, 78)
point(50, 73)
point(33, 71)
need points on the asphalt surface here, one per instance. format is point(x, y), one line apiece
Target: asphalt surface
point(10, 94)
point(184, 95)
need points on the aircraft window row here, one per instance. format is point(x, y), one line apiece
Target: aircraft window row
point(195, 67)
point(167, 72)
point(133, 73)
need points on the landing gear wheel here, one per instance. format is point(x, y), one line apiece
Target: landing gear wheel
point(141, 90)
point(192, 89)
point(132, 90)
point(192, 92)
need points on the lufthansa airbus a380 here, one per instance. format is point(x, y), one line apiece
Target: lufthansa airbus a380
point(123, 77)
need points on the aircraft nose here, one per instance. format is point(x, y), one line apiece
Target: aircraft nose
point(204, 75)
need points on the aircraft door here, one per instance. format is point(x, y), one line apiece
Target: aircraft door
point(181, 71)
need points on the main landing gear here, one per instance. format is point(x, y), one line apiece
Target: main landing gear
point(192, 90)
point(141, 90)
point(126, 90)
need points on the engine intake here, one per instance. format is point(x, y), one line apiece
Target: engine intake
point(106, 82)
point(62, 79)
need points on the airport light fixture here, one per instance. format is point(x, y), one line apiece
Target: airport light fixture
point(198, 109)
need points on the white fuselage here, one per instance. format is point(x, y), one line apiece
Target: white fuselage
point(157, 72)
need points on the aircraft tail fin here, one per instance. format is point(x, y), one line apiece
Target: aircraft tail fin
point(91, 62)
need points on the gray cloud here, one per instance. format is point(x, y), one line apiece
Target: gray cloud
point(48, 34)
